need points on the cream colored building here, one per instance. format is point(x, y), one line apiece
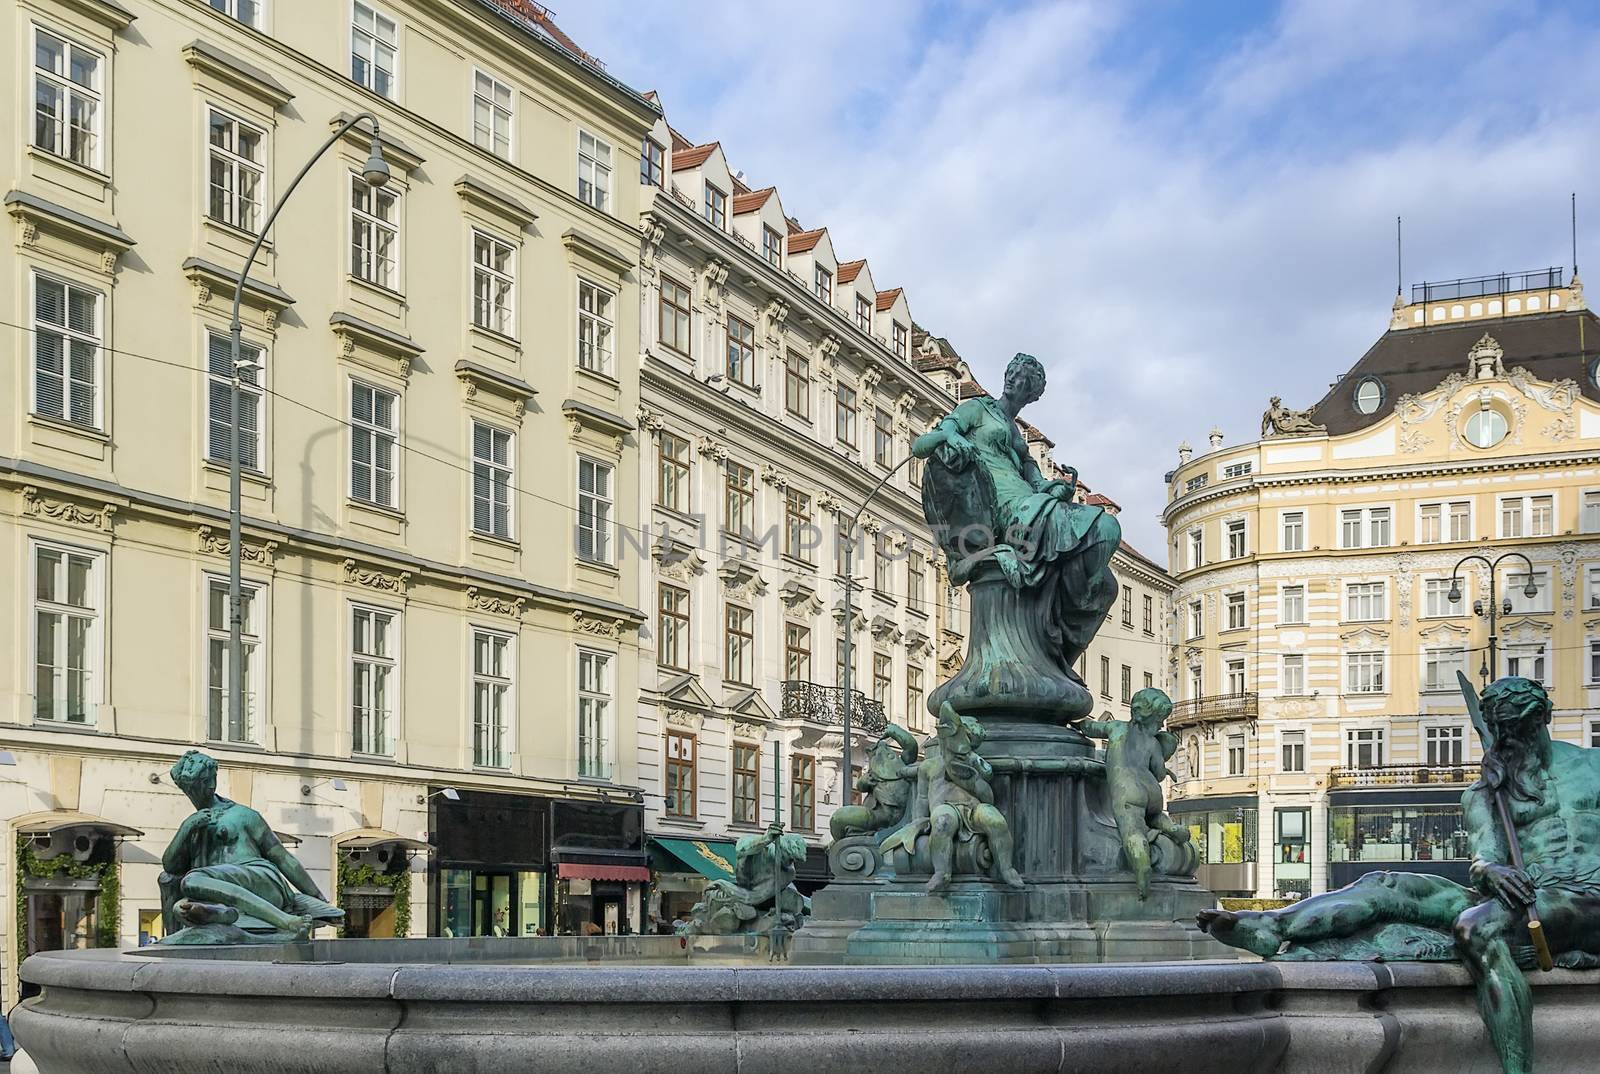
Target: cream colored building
point(1315, 644)
point(440, 456)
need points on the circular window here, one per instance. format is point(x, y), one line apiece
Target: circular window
point(1594, 372)
point(1485, 428)
point(1369, 396)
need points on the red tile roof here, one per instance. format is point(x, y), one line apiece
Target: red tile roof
point(801, 241)
point(1096, 499)
point(749, 203)
point(928, 363)
point(969, 389)
point(849, 270)
point(886, 298)
point(692, 158)
point(1129, 550)
point(1033, 434)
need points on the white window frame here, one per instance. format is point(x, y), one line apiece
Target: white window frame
point(1443, 682)
point(1524, 502)
point(1366, 521)
point(492, 728)
point(1511, 586)
point(68, 336)
point(373, 433)
point(1377, 740)
point(1234, 755)
point(69, 91)
point(231, 9)
point(1231, 602)
point(252, 393)
point(1288, 740)
point(1285, 618)
point(1232, 529)
point(370, 224)
point(1366, 672)
point(494, 283)
point(594, 173)
point(368, 667)
point(1447, 516)
point(236, 164)
point(597, 328)
point(1591, 584)
point(714, 206)
point(491, 108)
point(253, 636)
point(1234, 676)
point(1297, 661)
point(1539, 652)
point(369, 54)
point(502, 478)
point(94, 634)
point(1197, 619)
point(596, 512)
point(1592, 678)
point(1291, 522)
point(1451, 610)
point(1589, 511)
point(1235, 470)
point(595, 761)
point(1448, 732)
point(1369, 588)
point(1197, 547)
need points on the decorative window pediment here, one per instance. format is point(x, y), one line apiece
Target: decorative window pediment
point(685, 691)
point(212, 65)
point(741, 578)
point(750, 705)
point(82, 238)
point(1445, 633)
point(590, 253)
point(677, 559)
point(1365, 638)
point(1525, 628)
point(108, 13)
point(501, 208)
point(373, 345)
point(214, 288)
point(498, 392)
point(395, 152)
point(800, 595)
point(885, 629)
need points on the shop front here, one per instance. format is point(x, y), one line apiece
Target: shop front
point(1410, 831)
point(599, 867)
point(1223, 831)
point(680, 869)
point(488, 871)
point(374, 882)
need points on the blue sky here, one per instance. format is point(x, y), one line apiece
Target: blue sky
point(1182, 208)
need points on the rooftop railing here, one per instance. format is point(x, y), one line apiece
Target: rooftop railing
point(1479, 286)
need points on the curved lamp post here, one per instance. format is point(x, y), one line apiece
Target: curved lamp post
point(849, 614)
point(1494, 609)
point(375, 172)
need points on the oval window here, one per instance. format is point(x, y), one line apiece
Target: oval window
point(1486, 428)
point(1369, 396)
point(1594, 372)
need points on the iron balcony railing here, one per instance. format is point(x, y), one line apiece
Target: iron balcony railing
point(1403, 775)
point(825, 704)
point(1216, 707)
point(1479, 286)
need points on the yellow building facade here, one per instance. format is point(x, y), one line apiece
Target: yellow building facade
point(439, 457)
point(1316, 634)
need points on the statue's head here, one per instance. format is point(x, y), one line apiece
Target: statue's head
point(1276, 399)
point(897, 747)
point(791, 849)
point(954, 727)
point(1025, 377)
point(1150, 708)
point(195, 775)
point(1516, 710)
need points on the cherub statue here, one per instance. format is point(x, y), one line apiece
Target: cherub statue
point(887, 783)
point(956, 803)
point(1279, 420)
point(1137, 752)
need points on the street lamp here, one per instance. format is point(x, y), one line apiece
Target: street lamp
point(376, 173)
point(849, 614)
point(1495, 607)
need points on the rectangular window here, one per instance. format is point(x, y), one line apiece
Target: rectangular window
point(1127, 607)
point(822, 283)
point(1436, 602)
point(797, 652)
point(1590, 522)
point(739, 501)
point(746, 783)
point(1350, 531)
point(1292, 604)
point(596, 328)
point(1364, 602)
point(1364, 673)
point(67, 614)
point(916, 580)
point(374, 233)
point(1365, 527)
point(491, 480)
point(1237, 469)
point(680, 774)
point(246, 11)
point(1363, 747)
point(374, 50)
point(802, 793)
point(1516, 587)
point(844, 423)
point(882, 677)
point(1292, 675)
point(797, 385)
point(652, 161)
point(881, 568)
point(772, 246)
point(672, 472)
point(374, 679)
point(492, 102)
point(797, 525)
point(220, 725)
point(1195, 483)
point(66, 352)
point(864, 313)
point(1444, 745)
point(1439, 667)
point(594, 171)
point(1527, 516)
point(716, 207)
point(738, 644)
point(1105, 676)
point(236, 173)
point(1235, 609)
point(1292, 751)
point(219, 401)
point(67, 99)
point(672, 627)
point(672, 322)
point(882, 438)
point(1294, 531)
point(1531, 661)
point(1592, 577)
point(1430, 523)
point(594, 511)
point(845, 563)
point(741, 352)
point(1236, 539)
point(1594, 663)
point(1197, 548)
point(1380, 532)
point(1235, 755)
point(1149, 625)
point(374, 441)
point(594, 714)
point(1127, 684)
point(493, 663)
point(494, 284)
point(916, 705)
point(1197, 619)
point(1197, 683)
point(902, 340)
point(1460, 517)
point(1149, 681)
point(1235, 673)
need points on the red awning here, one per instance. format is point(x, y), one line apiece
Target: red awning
point(568, 870)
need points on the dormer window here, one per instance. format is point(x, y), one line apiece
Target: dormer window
point(772, 246)
point(822, 283)
point(902, 340)
point(1369, 395)
point(863, 313)
point(652, 160)
point(716, 207)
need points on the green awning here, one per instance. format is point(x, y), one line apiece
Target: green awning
point(711, 858)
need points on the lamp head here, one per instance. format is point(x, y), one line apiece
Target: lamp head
point(375, 171)
point(1477, 607)
point(1454, 596)
point(1505, 605)
point(1530, 590)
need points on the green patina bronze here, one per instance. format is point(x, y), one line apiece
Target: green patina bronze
point(761, 897)
point(886, 784)
point(1550, 791)
point(225, 877)
point(1137, 752)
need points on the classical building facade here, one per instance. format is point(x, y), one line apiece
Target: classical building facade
point(438, 446)
point(779, 394)
point(1320, 618)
